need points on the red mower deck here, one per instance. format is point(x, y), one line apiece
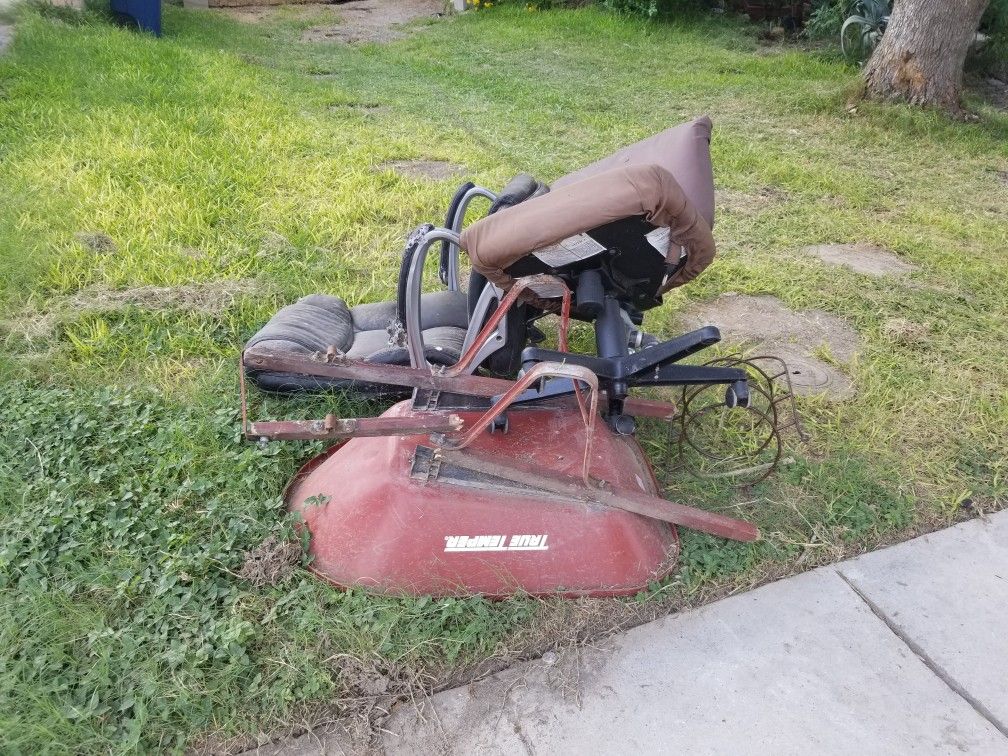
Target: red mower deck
point(390, 514)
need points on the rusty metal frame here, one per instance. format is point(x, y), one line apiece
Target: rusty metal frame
point(457, 379)
point(454, 380)
point(340, 367)
point(333, 428)
point(542, 285)
point(589, 412)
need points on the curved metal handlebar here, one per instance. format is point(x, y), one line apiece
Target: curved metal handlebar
point(414, 285)
point(456, 226)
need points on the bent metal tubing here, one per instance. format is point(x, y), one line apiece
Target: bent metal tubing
point(456, 227)
point(543, 285)
point(542, 370)
point(414, 283)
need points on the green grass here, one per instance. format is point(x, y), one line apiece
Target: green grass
point(225, 151)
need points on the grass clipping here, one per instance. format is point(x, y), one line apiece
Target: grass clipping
point(272, 562)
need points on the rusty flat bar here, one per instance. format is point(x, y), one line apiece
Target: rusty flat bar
point(368, 372)
point(626, 499)
point(333, 428)
point(650, 408)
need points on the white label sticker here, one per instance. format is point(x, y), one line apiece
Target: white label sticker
point(570, 250)
point(659, 239)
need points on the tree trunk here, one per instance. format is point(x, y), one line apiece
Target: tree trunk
point(920, 57)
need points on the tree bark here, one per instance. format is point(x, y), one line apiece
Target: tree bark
point(920, 57)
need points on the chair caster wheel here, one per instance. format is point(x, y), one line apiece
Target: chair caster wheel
point(624, 425)
point(737, 395)
point(499, 423)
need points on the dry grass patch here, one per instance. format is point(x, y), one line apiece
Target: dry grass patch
point(861, 258)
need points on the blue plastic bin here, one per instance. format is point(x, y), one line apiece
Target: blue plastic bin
point(146, 13)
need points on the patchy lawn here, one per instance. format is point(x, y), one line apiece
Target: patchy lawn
point(161, 198)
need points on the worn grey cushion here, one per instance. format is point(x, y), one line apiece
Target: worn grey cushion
point(368, 332)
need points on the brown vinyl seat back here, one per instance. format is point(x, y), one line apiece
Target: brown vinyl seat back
point(628, 214)
point(683, 151)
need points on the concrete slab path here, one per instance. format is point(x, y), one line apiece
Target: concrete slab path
point(904, 650)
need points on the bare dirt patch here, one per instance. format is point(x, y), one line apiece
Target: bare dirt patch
point(764, 325)
point(209, 298)
point(255, 13)
point(373, 20)
point(436, 170)
point(736, 202)
point(861, 258)
point(810, 375)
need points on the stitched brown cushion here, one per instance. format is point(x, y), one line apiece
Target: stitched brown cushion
point(683, 151)
point(666, 179)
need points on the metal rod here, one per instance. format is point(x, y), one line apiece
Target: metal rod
point(414, 284)
point(334, 428)
point(629, 500)
point(370, 372)
point(539, 284)
point(537, 373)
point(638, 407)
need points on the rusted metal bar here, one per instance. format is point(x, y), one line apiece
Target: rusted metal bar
point(542, 370)
point(333, 428)
point(650, 408)
point(601, 492)
point(369, 372)
point(242, 393)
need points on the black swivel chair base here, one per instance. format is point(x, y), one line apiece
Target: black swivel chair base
point(651, 366)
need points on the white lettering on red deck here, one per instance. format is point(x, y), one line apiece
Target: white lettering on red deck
point(458, 543)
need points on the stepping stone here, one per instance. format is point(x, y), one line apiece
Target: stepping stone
point(764, 325)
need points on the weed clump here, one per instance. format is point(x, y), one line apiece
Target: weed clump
point(271, 562)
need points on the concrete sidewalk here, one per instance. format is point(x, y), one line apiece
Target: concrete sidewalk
point(902, 650)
